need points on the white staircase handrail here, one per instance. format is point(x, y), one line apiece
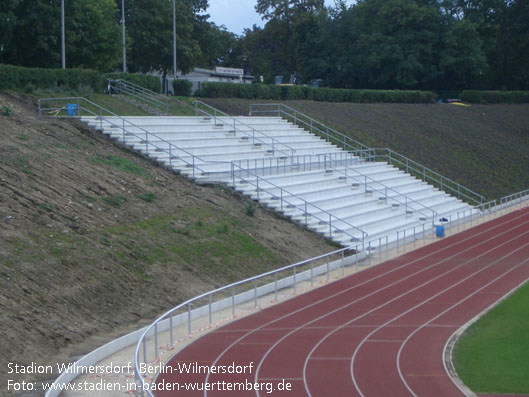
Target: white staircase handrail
point(140, 93)
point(212, 112)
point(306, 203)
point(47, 111)
point(352, 145)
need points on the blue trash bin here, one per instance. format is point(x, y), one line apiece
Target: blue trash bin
point(71, 109)
point(440, 231)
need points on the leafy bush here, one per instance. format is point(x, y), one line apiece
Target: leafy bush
point(182, 87)
point(147, 197)
point(249, 208)
point(152, 83)
point(294, 92)
point(29, 79)
point(490, 97)
point(7, 111)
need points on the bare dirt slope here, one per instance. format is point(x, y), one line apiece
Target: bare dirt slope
point(96, 241)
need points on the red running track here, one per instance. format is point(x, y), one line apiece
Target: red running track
point(380, 332)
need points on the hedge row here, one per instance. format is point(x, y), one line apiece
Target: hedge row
point(485, 97)
point(275, 92)
point(152, 83)
point(28, 79)
point(20, 78)
point(182, 87)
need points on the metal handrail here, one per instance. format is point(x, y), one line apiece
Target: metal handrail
point(144, 90)
point(140, 93)
point(306, 203)
point(327, 164)
point(409, 237)
point(187, 305)
point(385, 190)
point(121, 126)
point(235, 122)
point(443, 181)
point(349, 143)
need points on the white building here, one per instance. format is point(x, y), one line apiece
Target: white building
point(219, 75)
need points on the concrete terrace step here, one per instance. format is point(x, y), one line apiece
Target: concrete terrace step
point(320, 181)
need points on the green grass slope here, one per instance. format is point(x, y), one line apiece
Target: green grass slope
point(493, 354)
point(483, 147)
point(96, 240)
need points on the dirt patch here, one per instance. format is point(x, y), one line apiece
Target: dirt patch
point(96, 241)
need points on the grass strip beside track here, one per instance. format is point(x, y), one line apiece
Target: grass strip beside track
point(493, 354)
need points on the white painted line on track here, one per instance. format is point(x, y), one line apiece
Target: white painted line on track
point(511, 218)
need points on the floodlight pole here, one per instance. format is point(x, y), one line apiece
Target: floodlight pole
point(123, 36)
point(62, 36)
point(174, 39)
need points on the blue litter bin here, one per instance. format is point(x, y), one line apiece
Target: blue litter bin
point(440, 231)
point(71, 109)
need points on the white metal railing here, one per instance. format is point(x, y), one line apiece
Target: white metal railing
point(285, 199)
point(336, 162)
point(349, 144)
point(239, 126)
point(139, 93)
point(62, 108)
point(197, 313)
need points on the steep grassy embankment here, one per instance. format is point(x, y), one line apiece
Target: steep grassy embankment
point(483, 147)
point(96, 241)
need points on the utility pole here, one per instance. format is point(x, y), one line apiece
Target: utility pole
point(174, 39)
point(62, 36)
point(123, 36)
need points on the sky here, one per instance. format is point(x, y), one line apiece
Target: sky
point(237, 15)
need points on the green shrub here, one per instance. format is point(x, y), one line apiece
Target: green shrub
point(491, 97)
point(147, 197)
point(295, 92)
point(7, 111)
point(249, 208)
point(152, 83)
point(29, 79)
point(115, 201)
point(182, 87)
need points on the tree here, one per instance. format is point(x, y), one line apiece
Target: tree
point(389, 44)
point(288, 9)
point(462, 62)
point(37, 32)
point(93, 34)
point(290, 24)
point(7, 25)
point(218, 46)
point(151, 30)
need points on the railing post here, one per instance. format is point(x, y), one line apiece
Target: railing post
point(156, 341)
point(209, 309)
point(171, 337)
point(189, 319)
point(328, 269)
point(275, 286)
point(255, 291)
point(233, 301)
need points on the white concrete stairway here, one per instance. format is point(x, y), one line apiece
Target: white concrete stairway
point(310, 180)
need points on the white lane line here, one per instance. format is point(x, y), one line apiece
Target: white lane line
point(443, 313)
point(506, 220)
point(429, 299)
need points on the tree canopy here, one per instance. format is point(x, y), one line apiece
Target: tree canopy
point(390, 44)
